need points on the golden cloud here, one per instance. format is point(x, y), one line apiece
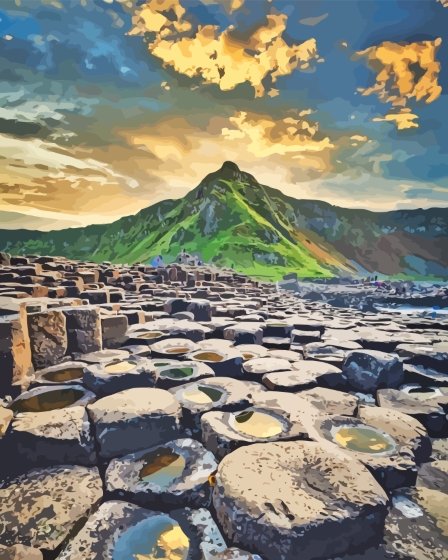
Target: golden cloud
point(404, 72)
point(267, 136)
point(184, 153)
point(403, 118)
point(160, 16)
point(225, 58)
point(44, 178)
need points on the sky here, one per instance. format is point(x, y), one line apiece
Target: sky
point(108, 106)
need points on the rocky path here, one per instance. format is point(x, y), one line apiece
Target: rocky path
point(193, 414)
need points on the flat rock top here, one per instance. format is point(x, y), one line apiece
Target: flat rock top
point(411, 403)
point(311, 367)
point(401, 427)
point(66, 423)
point(266, 365)
point(132, 403)
point(39, 509)
point(105, 356)
point(289, 355)
point(304, 482)
point(331, 401)
point(375, 354)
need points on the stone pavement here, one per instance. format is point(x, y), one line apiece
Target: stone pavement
point(193, 413)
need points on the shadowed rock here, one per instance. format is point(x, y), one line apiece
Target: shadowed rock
point(133, 420)
point(171, 475)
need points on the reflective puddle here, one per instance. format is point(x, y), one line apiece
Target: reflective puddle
point(208, 357)
point(120, 367)
point(179, 350)
point(154, 334)
point(202, 395)
point(423, 393)
point(162, 467)
point(177, 372)
point(156, 538)
point(364, 440)
point(69, 374)
point(50, 400)
point(258, 424)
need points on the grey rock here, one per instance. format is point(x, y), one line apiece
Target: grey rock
point(42, 509)
point(119, 528)
point(273, 498)
point(370, 370)
point(175, 474)
point(434, 476)
point(134, 419)
point(43, 439)
point(109, 378)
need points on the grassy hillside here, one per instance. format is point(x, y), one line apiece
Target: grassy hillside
point(234, 221)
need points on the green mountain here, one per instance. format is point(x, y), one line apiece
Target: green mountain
point(233, 221)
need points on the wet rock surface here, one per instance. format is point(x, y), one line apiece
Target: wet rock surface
point(167, 476)
point(120, 529)
point(215, 417)
point(391, 462)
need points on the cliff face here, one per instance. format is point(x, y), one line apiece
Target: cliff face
point(234, 221)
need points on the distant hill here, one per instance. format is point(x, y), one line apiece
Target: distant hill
point(234, 221)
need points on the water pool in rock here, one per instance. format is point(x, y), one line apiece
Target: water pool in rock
point(69, 374)
point(424, 393)
point(209, 357)
point(150, 335)
point(177, 350)
point(258, 424)
point(162, 467)
point(364, 440)
point(156, 538)
point(47, 401)
point(119, 367)
point(202, 395)
point(177, 372)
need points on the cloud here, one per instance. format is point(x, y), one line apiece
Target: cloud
point(42, 178)
point(404, 72)
point(403, 118)
point(226, 58)
point(182, 152)
point(312, 21)
point(267, 136)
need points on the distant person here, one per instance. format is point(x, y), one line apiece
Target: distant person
point(157, 261)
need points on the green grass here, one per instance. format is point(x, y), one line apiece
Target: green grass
point(253, 229)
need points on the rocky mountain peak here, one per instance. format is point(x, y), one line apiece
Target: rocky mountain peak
point(230, 166)
point(231, 172)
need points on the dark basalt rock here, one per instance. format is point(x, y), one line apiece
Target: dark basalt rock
point(119, 528)
point(108, 378)
point(164, 477)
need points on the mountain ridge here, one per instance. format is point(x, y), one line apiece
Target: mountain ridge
point(230, 219)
